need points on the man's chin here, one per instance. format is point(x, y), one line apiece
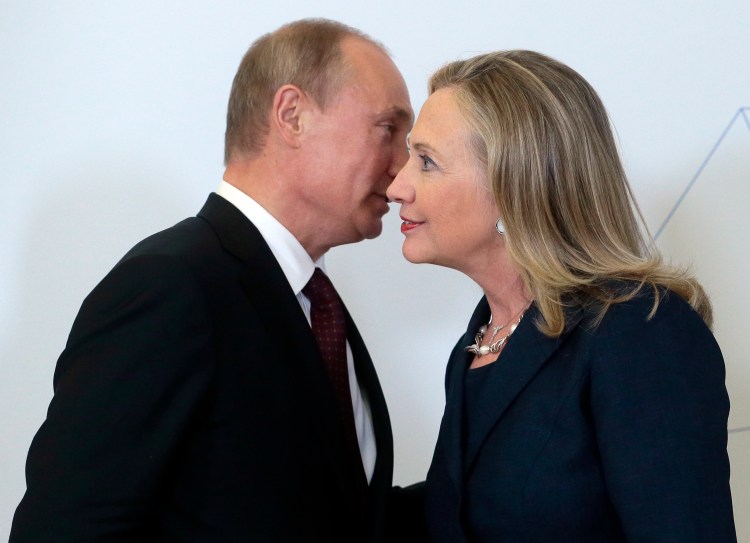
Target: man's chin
point(374, 231)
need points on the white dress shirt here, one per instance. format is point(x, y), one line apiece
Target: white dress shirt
point(298, 268)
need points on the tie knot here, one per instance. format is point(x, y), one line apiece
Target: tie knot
point(319, 289)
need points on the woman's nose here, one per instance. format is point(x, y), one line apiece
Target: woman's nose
point(398, 190)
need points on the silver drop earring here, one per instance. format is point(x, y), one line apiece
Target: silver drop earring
point(500, 227)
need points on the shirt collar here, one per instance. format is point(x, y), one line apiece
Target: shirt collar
point(296, 264)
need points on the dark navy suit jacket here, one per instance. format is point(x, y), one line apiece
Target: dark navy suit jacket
point(606, 434)
point(191, 404)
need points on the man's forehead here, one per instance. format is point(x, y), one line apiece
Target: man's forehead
point(376, 77)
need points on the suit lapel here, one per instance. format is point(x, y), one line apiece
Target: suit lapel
point(526, 353)
point(369, 383)
point(262, 278)
point(382, 477)
point(269, 292)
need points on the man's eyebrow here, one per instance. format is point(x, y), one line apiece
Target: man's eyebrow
point(398, 113)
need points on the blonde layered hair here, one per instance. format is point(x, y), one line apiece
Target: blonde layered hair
point(306, 53)
point(572, 225)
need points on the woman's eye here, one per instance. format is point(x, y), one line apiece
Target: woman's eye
point(427, 162)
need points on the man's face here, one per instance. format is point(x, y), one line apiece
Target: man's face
point(357, 146)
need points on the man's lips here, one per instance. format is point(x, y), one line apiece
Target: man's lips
point(408, 225)
point(381, 202)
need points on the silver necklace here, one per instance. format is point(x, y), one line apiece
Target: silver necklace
point(494, 346)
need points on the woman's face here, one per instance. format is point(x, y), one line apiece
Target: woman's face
point(447, 211)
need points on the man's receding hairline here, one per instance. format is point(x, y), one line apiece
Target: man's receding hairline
point(351, 70)
point(370, 46)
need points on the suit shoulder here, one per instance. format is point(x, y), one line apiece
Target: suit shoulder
point(165, 265)
point(191, 235)
point(189, 247)
point(146, 280)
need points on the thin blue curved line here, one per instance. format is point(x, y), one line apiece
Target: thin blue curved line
point(740, 112)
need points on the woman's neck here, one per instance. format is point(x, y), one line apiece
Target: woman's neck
point(507, 300)
point(503, 287)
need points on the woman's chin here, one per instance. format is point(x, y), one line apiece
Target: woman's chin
point(416, 256)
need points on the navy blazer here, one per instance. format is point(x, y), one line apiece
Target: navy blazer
point(606, 434)
point(191, 404)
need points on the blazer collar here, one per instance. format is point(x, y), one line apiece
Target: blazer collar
point(526, 353)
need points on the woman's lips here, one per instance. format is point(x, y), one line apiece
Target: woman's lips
point(408, 225)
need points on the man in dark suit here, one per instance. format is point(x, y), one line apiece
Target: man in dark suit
point(193, 401)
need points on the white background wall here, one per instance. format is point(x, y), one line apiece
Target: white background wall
point(111, 128)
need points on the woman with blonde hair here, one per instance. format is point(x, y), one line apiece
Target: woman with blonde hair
point(586, 401)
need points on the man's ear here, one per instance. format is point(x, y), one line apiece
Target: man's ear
point(289, 113)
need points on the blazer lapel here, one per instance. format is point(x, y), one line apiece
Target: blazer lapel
point(451, 427)
point(269, 292)
point(527, 351)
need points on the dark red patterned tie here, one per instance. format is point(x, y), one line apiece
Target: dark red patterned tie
point(329, 328)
